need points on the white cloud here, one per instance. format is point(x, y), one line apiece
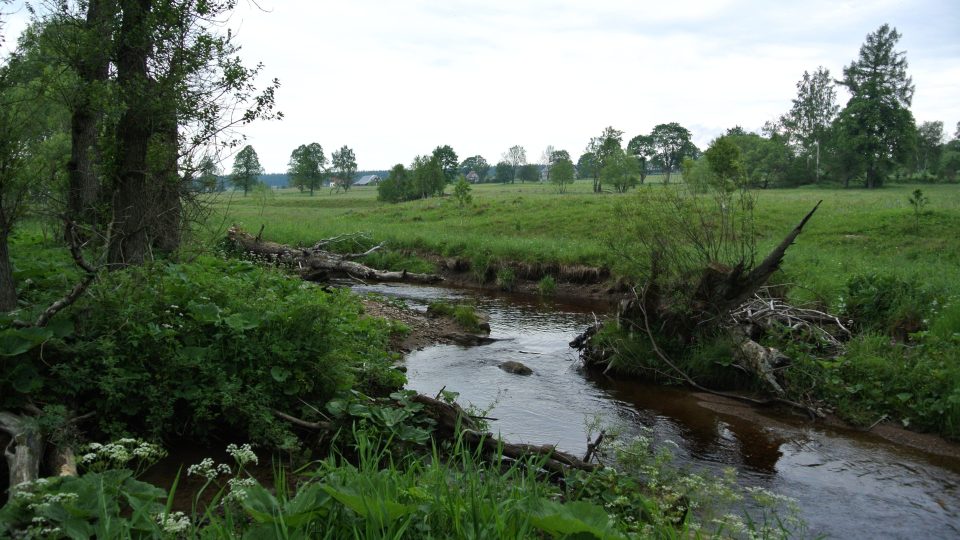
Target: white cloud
point(396, 79)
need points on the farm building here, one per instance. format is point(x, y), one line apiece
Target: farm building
point(368, 180)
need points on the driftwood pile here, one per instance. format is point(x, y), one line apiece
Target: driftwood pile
point(732, 299)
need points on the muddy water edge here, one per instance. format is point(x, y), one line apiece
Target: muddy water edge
point(849, 484)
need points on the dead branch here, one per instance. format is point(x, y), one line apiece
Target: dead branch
point(314, 426)
point(76, 251)
point(592, 447)
point(78, 289)
point(813, 413)
point(767, 312)
point(317, 264)
point(748, 286)
point(352, 256)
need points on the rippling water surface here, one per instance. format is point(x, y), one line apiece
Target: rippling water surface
point(848, 484)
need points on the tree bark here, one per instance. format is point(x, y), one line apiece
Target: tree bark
point(131, 205)
point(92, 68)
point(167, 186)
point(8, 288)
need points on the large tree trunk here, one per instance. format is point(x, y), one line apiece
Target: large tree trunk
point(8, 288)
point(92, 68)
point(167, 186)
point(131, 205)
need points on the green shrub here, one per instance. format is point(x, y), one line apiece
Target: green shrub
point(506, 279)
point(886, 303)
point(547, 286)
point(465, 315)
point(171, 350)
point(945, 321)
point(918, 385)
point(480, 265)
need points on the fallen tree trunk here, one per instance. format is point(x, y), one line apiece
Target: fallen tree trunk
point(454, 421)
point(317, 264)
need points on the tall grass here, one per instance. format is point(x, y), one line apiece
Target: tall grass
point(451, 491)
point(853, 232)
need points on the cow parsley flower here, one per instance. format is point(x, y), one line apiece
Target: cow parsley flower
point(243, 454)
point(208, 469)
point(175, 523)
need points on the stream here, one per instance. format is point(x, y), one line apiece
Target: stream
point(848, 484)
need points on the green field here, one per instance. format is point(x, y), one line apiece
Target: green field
point(855, 231)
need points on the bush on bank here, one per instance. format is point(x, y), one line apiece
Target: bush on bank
point(190, 350)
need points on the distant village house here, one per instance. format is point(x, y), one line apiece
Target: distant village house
point(368, 180)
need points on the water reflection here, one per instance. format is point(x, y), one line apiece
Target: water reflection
point(848, 484)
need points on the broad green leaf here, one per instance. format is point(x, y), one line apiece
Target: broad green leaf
point(360, 410)
point(279, 374)
point(14, 341)
point(242, 321)
point(380, 511)
point(560, 520)
point(261, 505)
point(413, 434)
point(25, 379)
point(390, 416)
point(204, 313)
point(337, 407)
point(61, 327)
point(310, 502)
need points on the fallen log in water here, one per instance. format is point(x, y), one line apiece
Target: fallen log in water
point(318, 264)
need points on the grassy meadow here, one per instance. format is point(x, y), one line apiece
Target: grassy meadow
point(855, 231)
point(866, 255)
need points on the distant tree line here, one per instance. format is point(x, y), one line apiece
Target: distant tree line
point(870, 140)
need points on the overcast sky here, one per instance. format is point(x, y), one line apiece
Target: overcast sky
point(394, 79)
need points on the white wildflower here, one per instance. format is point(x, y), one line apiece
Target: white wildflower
point(243, 454)
point(62, 498)
point(208, 469)
point(174, 523)
point(238, 488)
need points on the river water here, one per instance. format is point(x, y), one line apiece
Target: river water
point(848, 484)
